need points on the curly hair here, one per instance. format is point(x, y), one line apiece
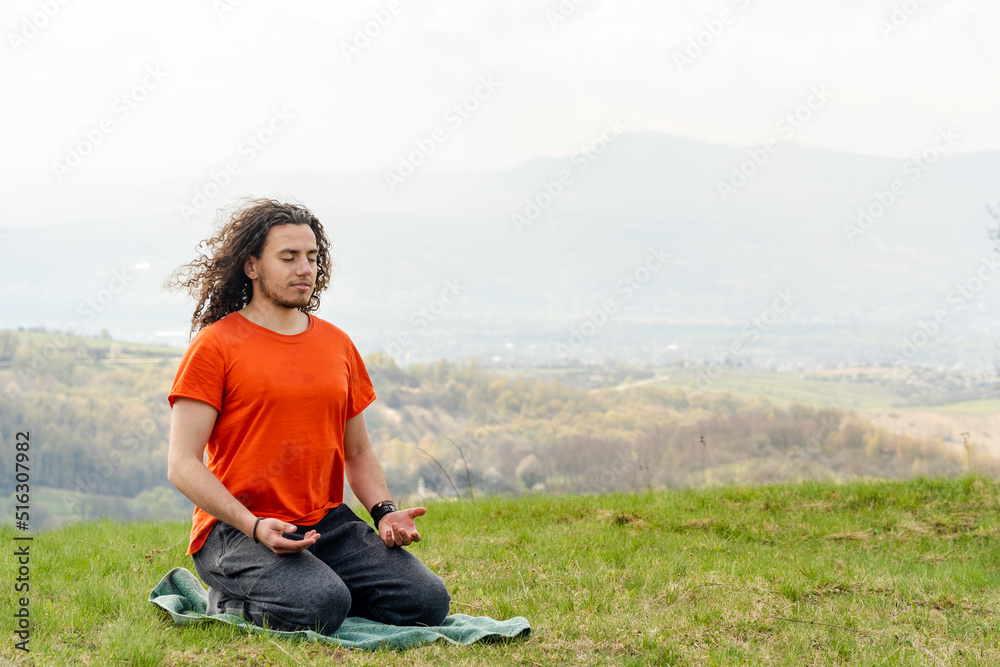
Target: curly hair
point(216, 278)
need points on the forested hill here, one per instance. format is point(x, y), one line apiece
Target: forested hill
point(98, 419)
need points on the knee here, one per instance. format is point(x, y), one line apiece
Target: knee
point(439, 603)
point(323, 607)
point(433, 603)
point(326, 606)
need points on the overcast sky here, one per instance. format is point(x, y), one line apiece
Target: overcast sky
point(179, 87)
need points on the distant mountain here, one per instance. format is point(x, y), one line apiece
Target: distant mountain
point(536, 264)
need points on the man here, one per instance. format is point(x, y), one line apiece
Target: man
point(275, 395)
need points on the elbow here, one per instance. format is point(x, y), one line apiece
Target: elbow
point(175, 474)
point(172, 474)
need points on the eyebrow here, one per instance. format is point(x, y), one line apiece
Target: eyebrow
point(294, 252)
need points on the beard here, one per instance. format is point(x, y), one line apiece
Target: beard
point(270, 293)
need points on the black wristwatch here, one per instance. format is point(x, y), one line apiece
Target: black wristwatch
point(381, 509)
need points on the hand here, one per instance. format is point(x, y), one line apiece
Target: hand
point(269, 533)
point(397, 529)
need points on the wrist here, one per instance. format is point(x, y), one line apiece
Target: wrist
point(380, 509)
point(254, 533)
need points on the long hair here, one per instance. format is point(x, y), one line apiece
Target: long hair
point(216, 278)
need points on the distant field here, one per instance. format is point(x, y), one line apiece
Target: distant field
point(873, 393)
point(984, 406)
point(869, 573)
point(870, 393)
point(834, 390)
point(44, 338)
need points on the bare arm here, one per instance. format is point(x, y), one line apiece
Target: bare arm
point(367, 480)
point(191, 424)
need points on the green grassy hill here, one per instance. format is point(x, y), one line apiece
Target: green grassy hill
point(900, 573)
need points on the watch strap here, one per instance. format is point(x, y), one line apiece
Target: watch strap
point(381, 509)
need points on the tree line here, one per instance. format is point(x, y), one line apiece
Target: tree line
point(101, 431)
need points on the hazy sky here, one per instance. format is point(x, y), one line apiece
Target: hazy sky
point(175, 90)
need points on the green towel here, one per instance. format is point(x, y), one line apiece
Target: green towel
point(186, 600)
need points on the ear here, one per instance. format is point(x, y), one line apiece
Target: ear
point(249, 269)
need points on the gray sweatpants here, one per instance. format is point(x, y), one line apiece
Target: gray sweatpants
point(348, 572)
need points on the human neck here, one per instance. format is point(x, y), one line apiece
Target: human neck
point(287, 321)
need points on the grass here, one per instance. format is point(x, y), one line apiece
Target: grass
point(868, 573)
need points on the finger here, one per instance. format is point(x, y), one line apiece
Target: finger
point(397, 535)
point(416, 536)
point(280, 544)
point(417, 511)
point(284, 546)
point(276, 525)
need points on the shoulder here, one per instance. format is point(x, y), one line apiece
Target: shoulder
point(207, 335)
point(205, 348)
point(336, 339)
point(329, 329)
point(221, 337)
point(227, 331)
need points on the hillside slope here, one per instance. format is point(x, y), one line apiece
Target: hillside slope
point(866, 573)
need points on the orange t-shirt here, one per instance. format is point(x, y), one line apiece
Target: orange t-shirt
point(283, 401)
